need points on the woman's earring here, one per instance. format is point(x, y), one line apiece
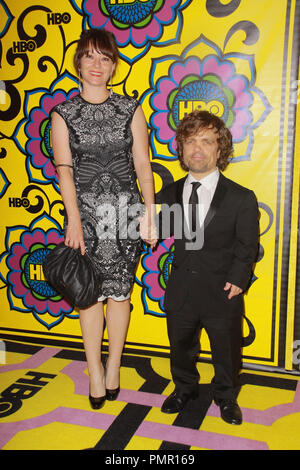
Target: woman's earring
point(111, 87)
point(79, 82)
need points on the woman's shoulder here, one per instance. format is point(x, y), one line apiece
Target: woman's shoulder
point(125, 101)
point(66, 106)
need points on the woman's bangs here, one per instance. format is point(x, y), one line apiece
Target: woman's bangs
point(99, 46)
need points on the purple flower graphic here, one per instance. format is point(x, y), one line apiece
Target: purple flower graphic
point(25, 279)
point(212, 83)
point(37, 127)
point(136, 22)
point(157, 265)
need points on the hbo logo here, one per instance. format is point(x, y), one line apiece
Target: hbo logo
point(58, 18)
point(18, 202)
point(24, 46)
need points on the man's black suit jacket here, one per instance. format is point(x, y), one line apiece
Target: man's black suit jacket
point(228, 253)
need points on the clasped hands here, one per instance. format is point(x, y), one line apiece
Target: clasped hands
point(148, 231)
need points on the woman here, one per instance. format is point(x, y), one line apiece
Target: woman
point(99, 139)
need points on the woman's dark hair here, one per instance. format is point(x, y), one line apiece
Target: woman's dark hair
point(101, 41)
point(193, 123)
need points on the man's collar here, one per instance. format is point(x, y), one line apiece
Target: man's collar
point(207, 181)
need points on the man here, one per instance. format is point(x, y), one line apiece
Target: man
point(212, 270)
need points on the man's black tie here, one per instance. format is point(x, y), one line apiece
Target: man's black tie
point(193, 201)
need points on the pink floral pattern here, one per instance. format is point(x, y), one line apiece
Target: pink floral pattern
point(157, 265)
point(25, 278)
point(211, 83)
point(136, 22)
point(38, 130)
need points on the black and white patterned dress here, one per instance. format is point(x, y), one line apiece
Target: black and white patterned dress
point(107, 194)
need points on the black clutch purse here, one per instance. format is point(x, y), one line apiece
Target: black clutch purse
point(72, 275)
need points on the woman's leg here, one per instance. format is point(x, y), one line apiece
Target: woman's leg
point(117, 320)
point(91, 322)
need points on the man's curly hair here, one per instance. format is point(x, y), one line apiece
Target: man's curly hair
point(193, 123)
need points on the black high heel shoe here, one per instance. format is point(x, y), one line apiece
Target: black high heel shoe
point(97, 402)
point(112, 394)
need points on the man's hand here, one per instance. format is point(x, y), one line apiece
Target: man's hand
point(233, 290)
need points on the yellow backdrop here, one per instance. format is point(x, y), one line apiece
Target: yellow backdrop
point(238, 59)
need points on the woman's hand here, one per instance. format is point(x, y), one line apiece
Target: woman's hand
point(74, 236)
point(148, 231)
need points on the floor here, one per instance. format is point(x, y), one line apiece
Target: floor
point(44, 406)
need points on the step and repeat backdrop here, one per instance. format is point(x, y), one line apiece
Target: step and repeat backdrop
point(237, 59)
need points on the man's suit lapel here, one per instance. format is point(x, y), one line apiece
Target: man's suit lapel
point(179, 191)
point(182, 227)
point(179, 200)
point(216, 201)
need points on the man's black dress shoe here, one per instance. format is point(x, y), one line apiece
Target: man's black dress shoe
point(230, 411)
point(176, 402)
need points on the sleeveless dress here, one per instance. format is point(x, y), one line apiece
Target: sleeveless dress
point(108, 198)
